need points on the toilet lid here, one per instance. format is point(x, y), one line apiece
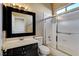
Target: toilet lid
point(43, 48)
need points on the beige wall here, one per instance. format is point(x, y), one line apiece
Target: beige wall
point(0, 28)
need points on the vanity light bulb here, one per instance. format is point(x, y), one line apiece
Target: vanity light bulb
point(26, 7)
point(19, 6)
point(14, 4)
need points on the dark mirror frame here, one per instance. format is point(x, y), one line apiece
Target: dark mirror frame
point(7, 21)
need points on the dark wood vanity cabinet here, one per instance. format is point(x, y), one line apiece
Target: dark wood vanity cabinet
point(28, 50)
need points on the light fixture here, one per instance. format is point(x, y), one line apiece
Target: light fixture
point(22, 8)
point(11, 5)
point(14, 5)
point(4, 4)
point(26, 8)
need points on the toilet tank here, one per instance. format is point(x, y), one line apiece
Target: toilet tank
point(39, 39)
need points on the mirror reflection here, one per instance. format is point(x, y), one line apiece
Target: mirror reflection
point(21, 23)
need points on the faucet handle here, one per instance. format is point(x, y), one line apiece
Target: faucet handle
point(49, 38)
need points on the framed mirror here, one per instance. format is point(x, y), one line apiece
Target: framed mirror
point(19, 22)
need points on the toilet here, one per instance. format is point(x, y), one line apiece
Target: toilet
point(43, 50)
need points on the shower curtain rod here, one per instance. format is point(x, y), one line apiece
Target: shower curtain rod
point(46, 18)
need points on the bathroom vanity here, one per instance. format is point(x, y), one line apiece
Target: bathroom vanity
point(27, 48)
point(19, 23)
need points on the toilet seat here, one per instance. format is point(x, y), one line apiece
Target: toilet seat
point(44, 49)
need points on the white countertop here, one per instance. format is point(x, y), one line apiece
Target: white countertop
point(16, 43)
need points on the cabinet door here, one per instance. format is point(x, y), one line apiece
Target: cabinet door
point(27, 50)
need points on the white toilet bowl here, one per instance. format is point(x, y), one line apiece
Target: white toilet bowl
point(44, 50)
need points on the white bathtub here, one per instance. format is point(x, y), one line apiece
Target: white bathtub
point(55, 52)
